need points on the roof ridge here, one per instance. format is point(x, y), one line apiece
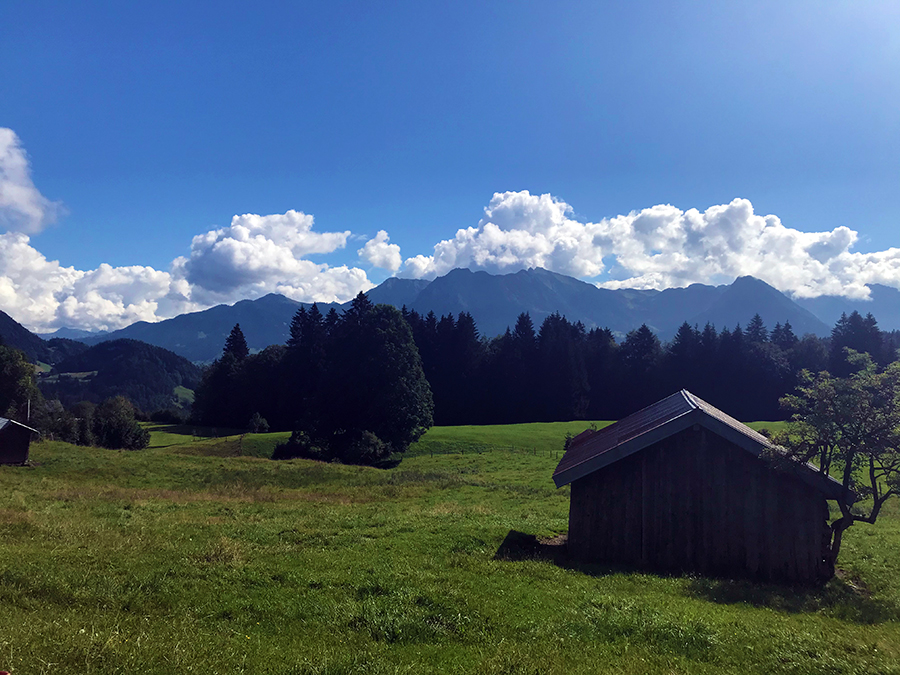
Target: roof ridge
point(690, 398)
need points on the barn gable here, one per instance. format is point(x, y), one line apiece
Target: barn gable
point(680, 486)
point(15, 438)
point(592, 451)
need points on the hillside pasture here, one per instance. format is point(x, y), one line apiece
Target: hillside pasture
point(187, 558)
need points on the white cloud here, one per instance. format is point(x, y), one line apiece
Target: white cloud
point(255, 255)
point(379, 253)
point(22, 207)
point(44, 295)
point(660, 247)
point(664, 246)
point(265, 254)
point(519, 230)
point(657, 247)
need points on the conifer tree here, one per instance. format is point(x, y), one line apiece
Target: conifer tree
point(236, 344)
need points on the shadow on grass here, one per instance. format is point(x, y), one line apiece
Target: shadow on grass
point(844, 597)
point(522, 546)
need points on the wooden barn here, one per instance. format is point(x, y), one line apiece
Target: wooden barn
point(14, 441)
point(682, 487)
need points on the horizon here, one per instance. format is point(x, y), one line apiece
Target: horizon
point(820, 314)
point(163, 161)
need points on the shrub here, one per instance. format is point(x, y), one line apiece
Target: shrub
point(299, 445)
point(258, 424)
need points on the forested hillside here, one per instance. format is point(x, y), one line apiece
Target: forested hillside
point(148, 376)
point(14, 334)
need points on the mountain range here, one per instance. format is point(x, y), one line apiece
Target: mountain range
point(495, 301)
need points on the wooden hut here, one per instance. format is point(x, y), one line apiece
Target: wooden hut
point(15, 438)
point(682, 487)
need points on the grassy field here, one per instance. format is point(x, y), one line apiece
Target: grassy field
point(187, 558)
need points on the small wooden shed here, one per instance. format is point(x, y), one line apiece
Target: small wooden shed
point(15, 438)
point(682, 487)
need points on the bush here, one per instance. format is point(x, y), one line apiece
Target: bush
point(299, 445)
point(258, 424)
point(115, 426)
point(360, 447)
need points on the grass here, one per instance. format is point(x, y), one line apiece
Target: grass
point(186, 558)
point(184, 396)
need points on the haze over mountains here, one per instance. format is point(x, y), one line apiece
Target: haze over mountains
point(496, 300)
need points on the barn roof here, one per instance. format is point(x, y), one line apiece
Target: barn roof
point(5, 422)
point(593, 450)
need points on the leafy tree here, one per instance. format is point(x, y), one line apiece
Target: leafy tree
point(257, 424)
point(849, 426)
point(84, 416)
point(17, 385)
point(115, 426)
point(236, 344)
point(376, 398)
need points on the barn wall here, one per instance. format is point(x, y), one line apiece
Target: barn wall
point(695, 502)
point(14, 442)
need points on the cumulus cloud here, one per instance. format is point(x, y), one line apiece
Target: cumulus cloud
point(44, 295)
point(657, 247)
point(519, 230)
point(379, 253)
point(660, 247)
point(22, 207)
point(256, 254)
point(253, 256)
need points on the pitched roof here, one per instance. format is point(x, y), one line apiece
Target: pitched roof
point(589, 452)
point(5, 422)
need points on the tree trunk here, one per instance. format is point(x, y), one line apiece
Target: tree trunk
point(837, 536)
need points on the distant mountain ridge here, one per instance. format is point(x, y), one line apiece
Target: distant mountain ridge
point(495, 301)
point(883, 304)
point(14, 334)
point(199, 336)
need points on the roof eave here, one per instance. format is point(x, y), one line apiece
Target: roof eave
point(627, 448)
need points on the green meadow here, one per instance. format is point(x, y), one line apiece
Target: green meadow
point(199, 555)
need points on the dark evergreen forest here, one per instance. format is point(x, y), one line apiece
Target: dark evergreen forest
point(561, 371)
point(327, 378)
point(350, 386)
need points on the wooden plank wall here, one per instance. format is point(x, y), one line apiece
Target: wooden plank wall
point(696, 503)
point(14, 442)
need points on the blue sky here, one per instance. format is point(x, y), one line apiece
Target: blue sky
point(146, 126)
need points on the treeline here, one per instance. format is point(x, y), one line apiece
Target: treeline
point(563, 371)
point(350, 386)
point(367, 371)
point(111, 424)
